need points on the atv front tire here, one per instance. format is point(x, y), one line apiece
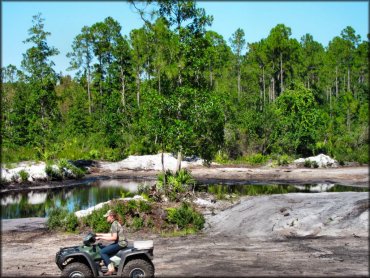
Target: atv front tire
point(77, 270)
point(138, 268)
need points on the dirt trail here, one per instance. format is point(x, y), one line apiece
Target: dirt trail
point(32, 254)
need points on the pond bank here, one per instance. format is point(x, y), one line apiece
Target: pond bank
point(354, 176)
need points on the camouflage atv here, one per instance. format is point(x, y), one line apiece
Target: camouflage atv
point(133, 261)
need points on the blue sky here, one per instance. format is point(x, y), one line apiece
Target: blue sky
point(323, 20)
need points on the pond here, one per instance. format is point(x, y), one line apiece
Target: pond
point(38, 203)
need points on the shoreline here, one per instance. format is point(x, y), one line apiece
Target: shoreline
point(350, 176)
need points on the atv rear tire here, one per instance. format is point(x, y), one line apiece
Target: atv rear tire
point(138, 268)
point(76, 270)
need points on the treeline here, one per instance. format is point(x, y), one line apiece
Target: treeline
point(175, 86)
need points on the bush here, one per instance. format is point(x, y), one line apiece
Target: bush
point(185, 217)
point(173, 185)
point(257, 159)
point(52, 173)
point(23, 175)
point(96, 220)
point(67, 169)
point(61, 219)
point(284, 160)
point(137, 223)
point(310, 164)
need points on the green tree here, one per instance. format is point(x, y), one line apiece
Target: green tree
point(298, 122)
point(237, 41)
point(82, 57)
point(41, 79)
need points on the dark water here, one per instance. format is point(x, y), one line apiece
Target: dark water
point(221, 190)
point(38, 203)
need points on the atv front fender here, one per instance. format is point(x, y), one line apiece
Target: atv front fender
point(80, 257)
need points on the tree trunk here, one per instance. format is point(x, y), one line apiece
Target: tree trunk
point(348, 81)
point(281, 73)
point(163, 169)
point(239, 87)
point(179, 159)
point(336, 81)
point(264, 86)
point(123, 99)
point(138, 88)
point(88, 88)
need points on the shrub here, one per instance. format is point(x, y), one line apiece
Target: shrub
point(67, 169)
point(185, 217)
point(310, 164)
point(137, 223)
point(173, 185)
point(23, 175)
point(307, 163)
point(144, 206)
point(61, 219)
point(52, 173)
point(257, 159)
point(284, 160)
point(96, 220)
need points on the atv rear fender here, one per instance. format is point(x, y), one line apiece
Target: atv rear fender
point(128, 254)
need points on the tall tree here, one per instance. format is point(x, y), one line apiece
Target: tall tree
point(237, 41)
point(82, 57)
point(42, 80)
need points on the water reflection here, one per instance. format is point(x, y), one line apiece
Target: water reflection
point(39, 203)
point(259, 189)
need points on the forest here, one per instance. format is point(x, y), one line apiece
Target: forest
point(176, 86)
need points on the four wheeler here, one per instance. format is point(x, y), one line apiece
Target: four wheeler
point(133, 261)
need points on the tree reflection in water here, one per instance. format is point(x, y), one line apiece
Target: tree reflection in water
point(38, 203)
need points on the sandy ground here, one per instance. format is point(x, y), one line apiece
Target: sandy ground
point(321, 234)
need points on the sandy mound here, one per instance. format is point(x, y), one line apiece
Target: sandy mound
point(149, 162)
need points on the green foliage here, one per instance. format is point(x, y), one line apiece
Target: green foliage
point(96, 220)
point(185, 217)
point(284, 160)
point(310, 164)
point(174, 87)
point(53, 173)
point(257, 159)
point(23, 175)
point(137, 223)
point(61, 219)
point(69, 170)
point(174, 185)
point(298, 122)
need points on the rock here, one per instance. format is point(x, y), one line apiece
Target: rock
point(310, 215)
